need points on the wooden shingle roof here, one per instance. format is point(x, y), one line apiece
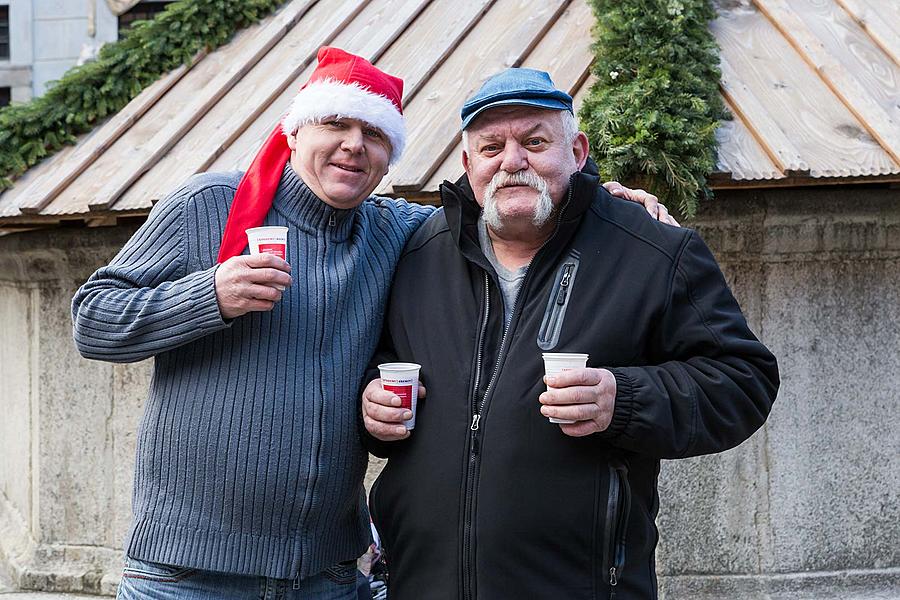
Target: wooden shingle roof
point(814, 86)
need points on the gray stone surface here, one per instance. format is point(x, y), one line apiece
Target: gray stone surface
point(808, 508)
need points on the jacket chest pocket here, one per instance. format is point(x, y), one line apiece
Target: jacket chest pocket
point(558, 302)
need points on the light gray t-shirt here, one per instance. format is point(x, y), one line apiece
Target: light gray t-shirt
point(510, 280)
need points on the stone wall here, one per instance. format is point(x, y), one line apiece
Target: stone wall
point(811, 502)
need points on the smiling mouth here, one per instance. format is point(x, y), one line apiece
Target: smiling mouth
point(348, 168)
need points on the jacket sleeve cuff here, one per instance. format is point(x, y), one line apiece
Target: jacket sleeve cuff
point(624, 407)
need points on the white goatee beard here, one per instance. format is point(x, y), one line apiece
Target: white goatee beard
point(543, 208)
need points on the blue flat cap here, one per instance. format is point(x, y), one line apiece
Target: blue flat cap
point(515, 87)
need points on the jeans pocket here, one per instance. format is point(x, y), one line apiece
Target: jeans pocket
point(158, 572)
point(342, 573)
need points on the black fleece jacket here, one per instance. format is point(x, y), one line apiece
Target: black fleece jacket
point(487, 499)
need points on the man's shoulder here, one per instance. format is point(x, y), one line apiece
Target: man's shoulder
point(429, 231)
point(399, 210)
point(202, 187)
point(202, 182)
point(634, 226)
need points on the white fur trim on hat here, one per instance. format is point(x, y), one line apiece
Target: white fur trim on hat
point(346, 100)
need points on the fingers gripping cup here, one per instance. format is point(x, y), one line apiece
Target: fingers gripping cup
point(403, 380)
point(557, 362)
point(268, 240)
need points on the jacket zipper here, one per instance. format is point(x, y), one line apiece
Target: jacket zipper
point(548, 333)
point(478, 408)
point(618, 509)
point(472, 467)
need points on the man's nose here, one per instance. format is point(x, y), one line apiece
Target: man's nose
point(352, 140)
point(515, 158)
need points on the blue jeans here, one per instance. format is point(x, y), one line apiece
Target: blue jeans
point(143, 580)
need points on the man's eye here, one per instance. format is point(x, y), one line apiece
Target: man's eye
point(373, 133)
point(335, 123)
point(534, 142)
point(490, 148)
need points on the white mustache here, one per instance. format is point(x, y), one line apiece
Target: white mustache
point(543, 207)
point(504, 179)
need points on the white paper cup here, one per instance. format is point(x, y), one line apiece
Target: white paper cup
point(403, 380)
point(268, 240)
point(557, 362)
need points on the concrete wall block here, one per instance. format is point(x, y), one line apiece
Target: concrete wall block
point(75, 437)
point(60, 9)
point(834, 447)
point(714, 512)
point(130, 385)
point(16, 347)
point(59, 39)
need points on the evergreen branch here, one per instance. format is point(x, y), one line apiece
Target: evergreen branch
point(652, 114)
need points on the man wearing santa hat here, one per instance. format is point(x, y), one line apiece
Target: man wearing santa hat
point(249, 467)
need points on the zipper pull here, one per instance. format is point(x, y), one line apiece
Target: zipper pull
point(613, 580)
point(475, 419)
point(564, 284)
point(297, 582)
point(331, 222)
point(567, 274)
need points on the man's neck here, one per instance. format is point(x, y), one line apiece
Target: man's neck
point(515, 248)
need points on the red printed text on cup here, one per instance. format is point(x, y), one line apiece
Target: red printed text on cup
point(276, 249)
point(404, 392)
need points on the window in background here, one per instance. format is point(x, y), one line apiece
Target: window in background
point(4, 33)
point(4, 96)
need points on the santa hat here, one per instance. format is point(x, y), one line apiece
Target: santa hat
point(343, 85)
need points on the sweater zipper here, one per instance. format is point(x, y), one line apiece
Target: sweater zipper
point(314, 479)
point(478, 409)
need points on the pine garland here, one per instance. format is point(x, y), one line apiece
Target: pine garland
point(652, 114)
point(87, 94)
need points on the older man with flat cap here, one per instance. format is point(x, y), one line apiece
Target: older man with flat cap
point(507, 488)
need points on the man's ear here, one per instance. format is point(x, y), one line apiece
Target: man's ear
point(465, 161)
point(581, 148)
point(292, 141)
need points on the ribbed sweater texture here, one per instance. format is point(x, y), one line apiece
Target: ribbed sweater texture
point(248, 456)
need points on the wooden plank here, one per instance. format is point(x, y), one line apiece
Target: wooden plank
point(45, 188)
point(564, 52)
point(739, 154)
point(274, 78)
point(582, 92)
point(766, 130)
point(879, 19)
point(783, 99)
point(502, 38)
point(250, 46)
point(12, 197)
point(441, 23)
point(720, 182)
point(854, 69)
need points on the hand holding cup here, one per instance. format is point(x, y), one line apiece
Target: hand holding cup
point(384, 414)
point(583, 399)
point(250, 283)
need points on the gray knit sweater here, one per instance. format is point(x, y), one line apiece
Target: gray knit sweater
point(248, 456)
